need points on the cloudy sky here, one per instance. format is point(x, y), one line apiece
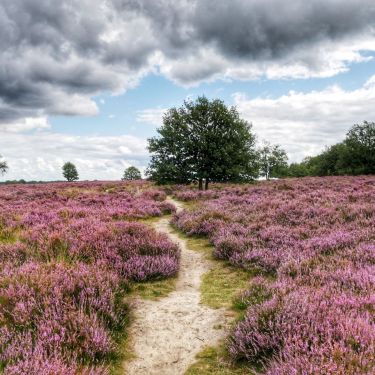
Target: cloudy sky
point(88, 80)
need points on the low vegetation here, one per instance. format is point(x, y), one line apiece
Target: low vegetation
point(64, 276)
point(221, 287)
point(311, 243)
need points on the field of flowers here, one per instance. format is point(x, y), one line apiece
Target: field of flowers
point(68, 253)
point(310, 308)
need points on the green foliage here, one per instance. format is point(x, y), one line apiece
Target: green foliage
point(298, 169)
point(360, 149)
point(215, 361)
point(155, 289)
point(70, 171)
point(354, 156)
point(132, 173)
point(273, 161)
point(202, 140)
point(3, 167)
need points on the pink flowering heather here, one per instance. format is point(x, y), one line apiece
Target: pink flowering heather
point(315, 238)
point(68, 253)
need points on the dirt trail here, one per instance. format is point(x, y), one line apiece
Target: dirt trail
point(168, 333)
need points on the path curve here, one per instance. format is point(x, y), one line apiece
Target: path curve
point(168, 333)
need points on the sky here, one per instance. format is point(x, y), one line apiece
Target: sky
point(88, 81)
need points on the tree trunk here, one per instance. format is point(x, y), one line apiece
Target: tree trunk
point(200, 185)
point(206, 184)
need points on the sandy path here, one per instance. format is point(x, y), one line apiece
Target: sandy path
point(168, 333)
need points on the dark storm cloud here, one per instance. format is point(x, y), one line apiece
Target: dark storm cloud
point(271, 29)
point(52, 52)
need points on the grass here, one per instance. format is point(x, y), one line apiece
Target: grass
point(123, 352)
point(151, 220)
point(189, 205)
point(8, 236)
point(211, 361)
point(219, 288)
point(222, 282)
point(149, 290)
point(153, 290)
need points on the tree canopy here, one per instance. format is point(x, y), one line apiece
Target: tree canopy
point(273, 161)
point(203, 140)
point(131, 173)
point(70, 172)
point(359, 157)
point(354, 156)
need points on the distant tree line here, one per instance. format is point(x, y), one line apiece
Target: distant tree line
point(70, 173)
point(22, 181)
point(353, 156)
point(205, 141)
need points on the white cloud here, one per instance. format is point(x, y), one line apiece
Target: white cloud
point(152, 116)
point(303, 123)
point(40, 155)
point(56, 57)
point(74, 105)
point(25, 124)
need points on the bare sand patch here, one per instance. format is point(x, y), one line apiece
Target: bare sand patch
point(168, 333)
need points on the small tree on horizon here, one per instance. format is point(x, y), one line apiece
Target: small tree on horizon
point(132, 173)
point(204, 141)
point(273, 161)
point(3, 167)
point(70, 172)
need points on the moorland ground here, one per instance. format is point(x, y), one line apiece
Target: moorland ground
point(275, 277)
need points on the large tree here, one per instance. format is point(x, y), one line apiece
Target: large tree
point(70, 171)
point(3, 167)
point(131, 173)
point(203, 140)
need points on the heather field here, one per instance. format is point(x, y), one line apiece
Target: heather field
point(69, 253)
point(275, 277)
point(309, 244)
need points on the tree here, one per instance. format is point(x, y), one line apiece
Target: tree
point(70, 171)
point(359, 157)
point(132, 173)
point(273, 161)
point(3, 167)
point(298, 169)
point(355, 155)
point(202, 140)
